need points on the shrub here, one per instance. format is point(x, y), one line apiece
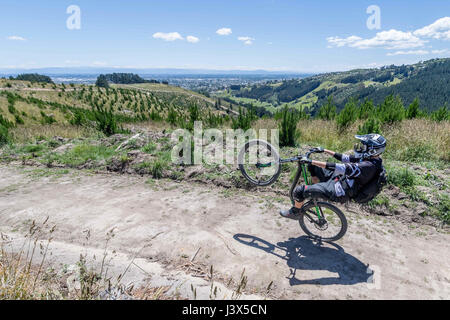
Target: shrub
point(444, 208)
point(172, 116)
point(288, 128)
point(47, 119)
point(366, 109)
point(244, 119)
point(372, 125)
point(155, 116)
point(19, 120)
point(402, 178)
point(328, 110)
point(391, 110)
point(194, 113)
point(78, 118)
point(348, 115)
point(106, 121)
point(32, 148)
point(4, 135)
point(157, 169)
point(12, 109)
point(413, 110)
point(441, 114)
point(5, 122)
point(149, 148)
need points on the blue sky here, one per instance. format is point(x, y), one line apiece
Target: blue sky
point(294, 35)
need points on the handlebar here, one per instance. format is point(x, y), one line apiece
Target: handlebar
point(311, 151)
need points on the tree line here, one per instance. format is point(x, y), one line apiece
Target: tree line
point(121, 78)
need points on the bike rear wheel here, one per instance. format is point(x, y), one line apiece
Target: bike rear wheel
point(259, 163)
point(331, 227)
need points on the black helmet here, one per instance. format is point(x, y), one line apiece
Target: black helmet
point(369, 145)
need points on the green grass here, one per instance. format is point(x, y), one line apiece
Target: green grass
point(419, 152)
point(401, 177)
point(32, 148)
point(443, 208)
point(149, 148)
point(80, 154)
point(380, 200)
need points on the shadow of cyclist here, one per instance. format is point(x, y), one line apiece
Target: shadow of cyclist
point(304, 253)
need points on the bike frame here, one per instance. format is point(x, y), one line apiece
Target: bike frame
point(302, 169)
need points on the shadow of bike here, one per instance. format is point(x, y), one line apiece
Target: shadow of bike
point(303, 253)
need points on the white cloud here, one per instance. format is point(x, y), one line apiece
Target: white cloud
point(224, 32)
point(443, 51)
point(440, 29)
point(16, 38)
point(392, 39)
point(341, 42)
point(395, 39)
point(192, 39)
point(247, 40)
point(410, 52)
point(171, 36)
point(99, 64)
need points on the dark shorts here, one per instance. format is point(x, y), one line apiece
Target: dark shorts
point(324, 190)
point(322, 174)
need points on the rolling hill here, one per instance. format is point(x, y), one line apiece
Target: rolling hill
point(31, 103)
point(429, 81)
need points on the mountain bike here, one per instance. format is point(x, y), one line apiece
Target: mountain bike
point(260, 163)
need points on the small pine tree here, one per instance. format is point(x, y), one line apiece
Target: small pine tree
point(347, 115)
point(372, 125)
point(4, 135)
point(172, 116)
point(288, 128)
point(328, 110)
point(155, 116)
point(366, 109)
point(106, 121)
point(244, 119)
point(391, 110)
point(194, 113)
point(413, 110)
point(441, 114)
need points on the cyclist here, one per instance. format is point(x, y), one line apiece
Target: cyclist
point(340, 181)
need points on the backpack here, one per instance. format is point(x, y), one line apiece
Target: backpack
point(370, 190)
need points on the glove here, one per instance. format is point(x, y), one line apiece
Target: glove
point(319, 150)
point(306, 160)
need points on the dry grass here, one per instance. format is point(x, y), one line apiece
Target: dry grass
point(148, 125)
point(419, 135)
point(417, 139)
point(21, 276)
point(25, 273)
point(30, 133)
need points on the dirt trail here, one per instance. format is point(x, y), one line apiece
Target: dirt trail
point(232, 230)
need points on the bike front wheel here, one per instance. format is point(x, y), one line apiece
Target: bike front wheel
point(331, 226)
point(259, 163)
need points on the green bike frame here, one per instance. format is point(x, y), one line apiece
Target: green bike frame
point(302, 169)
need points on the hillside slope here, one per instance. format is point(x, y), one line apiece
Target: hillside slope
point(429, 81)
point(26, 103)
